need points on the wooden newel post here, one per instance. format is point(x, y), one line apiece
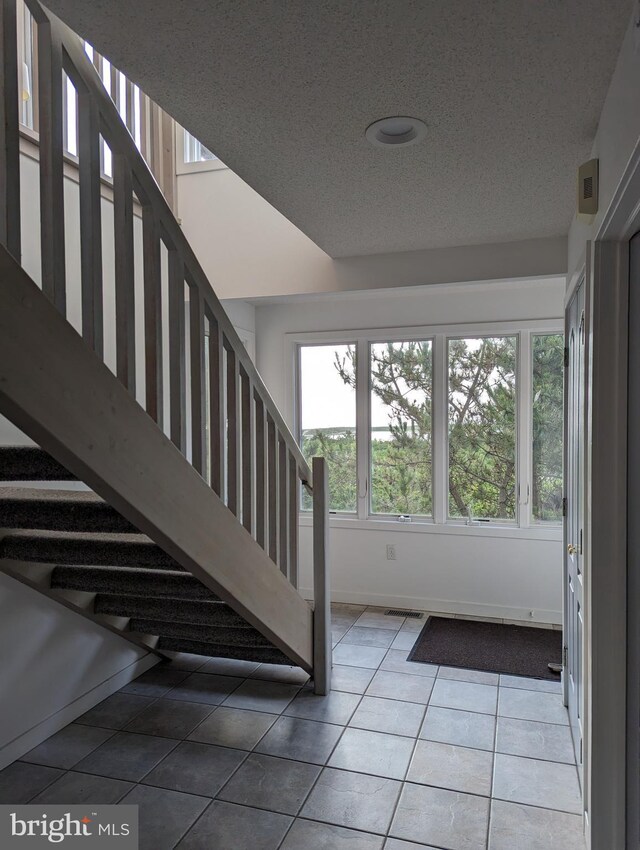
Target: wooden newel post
point(322, 660)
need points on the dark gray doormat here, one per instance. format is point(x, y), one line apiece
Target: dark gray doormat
point(491, 647)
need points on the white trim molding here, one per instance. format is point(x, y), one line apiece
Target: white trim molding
point(611, 747)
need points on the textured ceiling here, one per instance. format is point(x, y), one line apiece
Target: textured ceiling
point(282, 91)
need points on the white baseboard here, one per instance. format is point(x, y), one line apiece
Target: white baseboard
point(443, 606)
point(50, 725)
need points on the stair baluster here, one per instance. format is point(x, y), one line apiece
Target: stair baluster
point(154, 385)
point(248, 442)
point(91, 219)
point(216, 407)
point(261, 473)
point(198, 374)
point(124, 273)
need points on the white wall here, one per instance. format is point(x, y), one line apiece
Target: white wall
point(54, 666)
point(249, 250)
point(479, 571)
point(30, 213)
point(617, 137)
point(243, 319)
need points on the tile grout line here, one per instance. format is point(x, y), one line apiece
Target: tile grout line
point(215, 707)
point(493, 768)
point(406, 773)
point(317, 779)
point(343, 726)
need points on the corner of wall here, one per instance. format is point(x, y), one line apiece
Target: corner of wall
point(55, 666)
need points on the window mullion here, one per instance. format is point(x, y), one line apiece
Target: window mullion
point(439, 421)
point(363, 429)
point(524, 438)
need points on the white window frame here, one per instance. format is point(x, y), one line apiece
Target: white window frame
point(524, 526)
point(520, 399)
point(183, 167)
point(297, 377)
point(366, 451)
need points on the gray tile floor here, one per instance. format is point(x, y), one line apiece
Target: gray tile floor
point(225, 755)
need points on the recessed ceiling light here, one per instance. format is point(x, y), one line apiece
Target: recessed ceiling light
point(398, 130)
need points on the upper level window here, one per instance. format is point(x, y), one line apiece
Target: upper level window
point(328, 418)
point(195, 151)
point(192, 156)
point(151, 128)
point(401, 389)
point(482, 427)
point(26, 65)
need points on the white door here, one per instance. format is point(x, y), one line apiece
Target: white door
point(574, 513)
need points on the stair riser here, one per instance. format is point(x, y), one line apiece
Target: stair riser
point(246, 637)
point(263, 656)
point(148, 583)
point(133, 585)
point(52, 516)
point(27, 463)
point(170, 610)
point(82, 553)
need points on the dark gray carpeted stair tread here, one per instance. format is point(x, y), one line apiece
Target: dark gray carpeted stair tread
point(59, 510)
point(85, 548)
point(97, 550)
point(246, 636)
point(30, 463)
point(196, 611)
point(144, 581)
point(243, 653)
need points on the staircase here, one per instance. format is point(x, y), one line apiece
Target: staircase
point(174, 517)
point(120, 577)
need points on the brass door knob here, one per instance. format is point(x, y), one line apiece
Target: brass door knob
point(572, 549)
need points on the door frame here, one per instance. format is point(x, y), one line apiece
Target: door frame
point(582, 277)
point(611, 761)
point(633, 584)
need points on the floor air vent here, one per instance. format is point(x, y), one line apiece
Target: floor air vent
point(398, 612)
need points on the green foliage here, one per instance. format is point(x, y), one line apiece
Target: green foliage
point(338, 446)
point(482, 427)
point(401, 379)
point(482, 430)
point(548, 376)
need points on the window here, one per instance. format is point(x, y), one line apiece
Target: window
point(195, 151)
point(192, 156)
point(328, 418)
point(70, 110)
point(547, 426)
point(26, 55)
point(457, 425)
point(151, 128)
point(482, 427)
point(400, 440)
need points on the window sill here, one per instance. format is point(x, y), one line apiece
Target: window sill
point(183, 168)
point(551, 533)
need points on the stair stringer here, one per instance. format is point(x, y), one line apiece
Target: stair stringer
point(56, 390)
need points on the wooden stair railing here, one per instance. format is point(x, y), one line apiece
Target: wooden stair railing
point(220, 415)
